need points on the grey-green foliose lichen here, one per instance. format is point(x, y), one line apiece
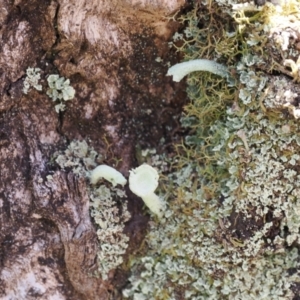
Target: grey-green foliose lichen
point(231, 229)
point(108, 205)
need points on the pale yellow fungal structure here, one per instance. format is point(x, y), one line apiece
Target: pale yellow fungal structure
point(108, 173)
point(143, 181)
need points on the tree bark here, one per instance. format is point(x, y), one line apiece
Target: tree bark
point(108, 49)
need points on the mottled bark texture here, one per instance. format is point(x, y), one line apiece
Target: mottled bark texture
point(107, 48)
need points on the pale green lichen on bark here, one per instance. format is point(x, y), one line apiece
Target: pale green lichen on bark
point(59, 87)
point(33, 76)
point(241, 166)
point(108, 205)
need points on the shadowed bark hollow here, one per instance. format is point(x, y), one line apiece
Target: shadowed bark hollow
point(108, 50)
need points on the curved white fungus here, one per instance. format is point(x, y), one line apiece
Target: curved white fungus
point(108, 173)
point(143, 181)
point(180, 70)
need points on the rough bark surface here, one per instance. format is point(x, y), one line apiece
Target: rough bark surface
point(107, 48)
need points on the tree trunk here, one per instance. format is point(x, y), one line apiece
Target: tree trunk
point(108, 49)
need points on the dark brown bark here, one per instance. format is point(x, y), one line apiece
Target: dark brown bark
point(108, 50)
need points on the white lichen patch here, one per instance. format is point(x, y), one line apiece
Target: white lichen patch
point(283, 23)
point(33, 75)
point(110, 218)
point(283, 94)
point(59, 89)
